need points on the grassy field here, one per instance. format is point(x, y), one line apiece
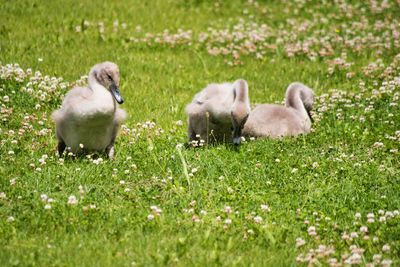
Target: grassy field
point(328, 198)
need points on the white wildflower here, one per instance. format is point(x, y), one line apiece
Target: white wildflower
point(72, 200)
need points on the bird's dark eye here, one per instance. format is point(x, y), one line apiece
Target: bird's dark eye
point(109, 77)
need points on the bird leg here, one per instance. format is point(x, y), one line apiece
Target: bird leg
point(191, 132)
point(61, 148)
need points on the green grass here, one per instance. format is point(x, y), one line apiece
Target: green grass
point(322, 179)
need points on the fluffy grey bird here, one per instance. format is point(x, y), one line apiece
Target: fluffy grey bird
point(218, 110)
point(90, 116)
point(290, 120)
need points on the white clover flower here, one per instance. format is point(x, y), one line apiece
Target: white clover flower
point(354, 259)
point(345, 236)
point(10, 219)
point(386, 248)
point(179, 146)
point(72, 200)
point(363, 229)
point(3, 195)
point(353, 235)
point(258, 219)
point(389, 214)
point(43, 197)
point(300, 242)
point(153, 208)
point(228, 209)
point(265, 208)
point(357, 216)
point(386, 262)
point(227, 221)
point(332, 261)
point(47, 206)
point(376, 258)
point(150, 217)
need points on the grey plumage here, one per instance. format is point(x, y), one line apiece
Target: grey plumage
point(290, 120)
point(89, 116)
point(218, 111)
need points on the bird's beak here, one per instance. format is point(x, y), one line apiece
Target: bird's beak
point(309, 115)
point(116, 93)
point(237, 135)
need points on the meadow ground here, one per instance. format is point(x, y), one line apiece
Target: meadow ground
point(328, 198)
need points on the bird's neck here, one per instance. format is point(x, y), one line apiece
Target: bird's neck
point(242, 96)
point(94, 84)
point(293, 100)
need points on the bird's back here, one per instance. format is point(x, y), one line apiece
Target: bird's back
point(216, 99)
point(274, 121)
